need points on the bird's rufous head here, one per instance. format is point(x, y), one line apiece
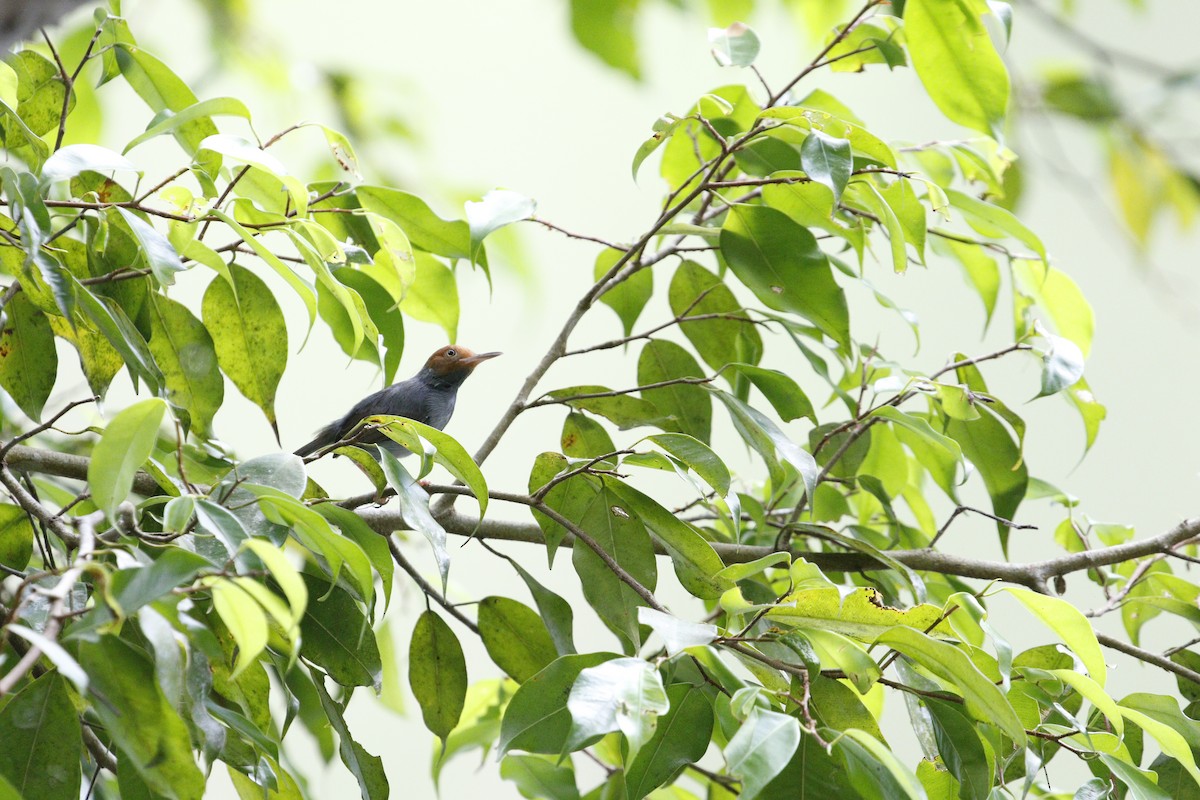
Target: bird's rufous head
point(455, 358)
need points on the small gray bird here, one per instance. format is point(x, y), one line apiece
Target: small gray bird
point(426, 397)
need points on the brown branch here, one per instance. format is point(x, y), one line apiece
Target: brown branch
point(86, 536)
point(816, 63)
point(425, 586)
point(1148, 657)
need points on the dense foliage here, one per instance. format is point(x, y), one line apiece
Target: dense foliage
point(170, 608)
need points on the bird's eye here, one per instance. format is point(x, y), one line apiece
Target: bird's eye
point(451, 353)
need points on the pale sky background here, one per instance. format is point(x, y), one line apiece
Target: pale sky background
point(502, 97)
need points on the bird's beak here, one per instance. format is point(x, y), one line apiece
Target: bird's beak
point(477, 359)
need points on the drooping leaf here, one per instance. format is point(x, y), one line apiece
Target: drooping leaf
point(623, 537)
point(28, 359)
point(41, 732)
point(249, 335)
point(984, 700)
point(337, 636)
point(781, 263)
point(184, 351)
point(727, 337)
point(628, 297)
point(139, 720)
point(955, 60)
point(437, 673)
point(515, 637)
point(689, 405)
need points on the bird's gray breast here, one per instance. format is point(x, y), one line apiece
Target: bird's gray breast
point(439, 411)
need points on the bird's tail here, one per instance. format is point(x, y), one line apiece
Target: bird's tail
point(325, 437)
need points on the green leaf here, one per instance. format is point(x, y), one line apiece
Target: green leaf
point(367, 769)
point(414, 508)
point(161, 89)
point(784, 394)
point(623, 537)
point(115, 325)
point(606, 28)
point(1094, 693)
point(569, 498)
point(1140, 783)
point(981, 271)
point(538, 777)
point(424, 229)
point(628, 297)
point(375, 546)
point(761, 748)
point(827, 160)
point(960, 748)
point(41, 732)
point(735, 46)
point(584, 437)
point(767, 439)
point(988, 215)
point(874, 770)
point(997, 456)
point(69, 161)
point(860, 613)
point(157, 251)
point(696, 563)
point(663, 127)
point(868, 195)
point(1173, 744)
point(498, 208)
point(1060, 297)
point(1090, 410)
point(244, 618)
point(301, 287)
point(689, 405)
point(537, 719)
point(126, 444)
point(16, 537)
point(624, 694)
point(337, 636)
point(314, 532)
point(204, 110)
point(184, 351)
point(698, 456)
point(437, 673)
point(447, 452)
point(1070, 624)
point(249, 335)
point(555, 611)
point(781, 263)
point(955, 60)
point(40, 90)
point(623, 410)
point(433, 296)
point(138, 720)
point(680, 738)
point(695, 291)
point(984, 700)
point(28, 358)
point(515, 637)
